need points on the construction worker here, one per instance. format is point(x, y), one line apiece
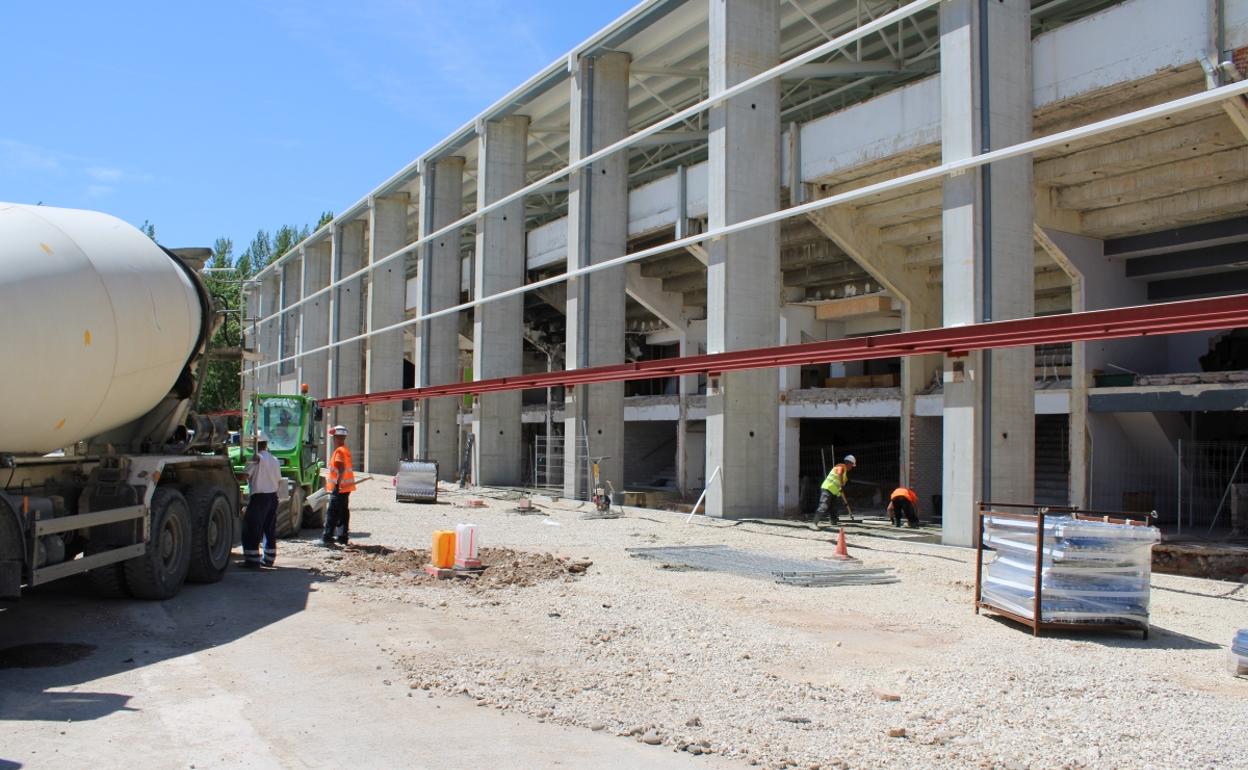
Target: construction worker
point(903, 502)
point(832, 492)
point(339, 483)
point(264, 478)
point(284, 435)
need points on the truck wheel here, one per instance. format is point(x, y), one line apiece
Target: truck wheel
point(10, 554)
point(108, 581)
point(212, 530)
point(313, 519)
point(292, 515)
point(159, 573)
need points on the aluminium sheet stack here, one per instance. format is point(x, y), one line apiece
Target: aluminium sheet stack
point(1091, 571)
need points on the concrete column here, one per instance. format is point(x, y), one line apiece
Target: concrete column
point(498, 326)
point(1005, 406)
point(743, 271)
point(270, 331)
point(347, 360)
point(289, 285)
point(597, 231)
point(314, 321)
point(387, 304)
point(251, 342)
point(793, 320)
point(689, 456)
point(436, 355)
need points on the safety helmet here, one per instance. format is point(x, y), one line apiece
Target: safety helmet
point(850, 459)
point(262, 438)
point(338, 430)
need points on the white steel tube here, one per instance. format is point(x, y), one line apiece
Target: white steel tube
point(1022, 148)
point(632, 139)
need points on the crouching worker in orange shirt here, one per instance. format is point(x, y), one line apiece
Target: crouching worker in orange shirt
point(903, 502)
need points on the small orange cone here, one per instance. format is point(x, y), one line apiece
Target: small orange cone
point(841, 551)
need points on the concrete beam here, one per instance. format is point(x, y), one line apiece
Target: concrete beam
point(1135, 153)
point(1159, 181)
point(912, 233)
point(649, 292)
point(923, 204)
point(1171, 211)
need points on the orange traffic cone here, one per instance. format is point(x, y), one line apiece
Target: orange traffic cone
point(842, 552)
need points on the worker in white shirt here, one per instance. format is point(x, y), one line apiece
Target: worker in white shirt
point(264, 477)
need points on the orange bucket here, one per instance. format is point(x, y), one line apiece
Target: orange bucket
point(442, 555)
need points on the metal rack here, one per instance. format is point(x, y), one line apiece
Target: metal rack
point(1038, 513)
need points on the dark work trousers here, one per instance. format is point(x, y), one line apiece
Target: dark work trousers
point(829, 505)
point(260, 522)
point(903, 507)
point(339, 515)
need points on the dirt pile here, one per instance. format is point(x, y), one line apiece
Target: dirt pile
point(504, 567)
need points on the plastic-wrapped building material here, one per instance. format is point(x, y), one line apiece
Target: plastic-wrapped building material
point(1090, 571)
point(1239, 652)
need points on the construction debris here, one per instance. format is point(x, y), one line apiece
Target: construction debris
point(718, 558)
point(502, 567)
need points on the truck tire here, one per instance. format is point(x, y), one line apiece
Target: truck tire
point(212, 533)
point(291, 521)
point(10, 554)
point(313, 519)
point(109, 581)
point(160, 572)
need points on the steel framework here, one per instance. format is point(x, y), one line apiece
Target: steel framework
point(1141, 321)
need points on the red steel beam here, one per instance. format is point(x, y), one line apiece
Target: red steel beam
point(1140, 321)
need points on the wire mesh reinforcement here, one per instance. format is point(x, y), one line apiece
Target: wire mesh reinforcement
point(751, 564)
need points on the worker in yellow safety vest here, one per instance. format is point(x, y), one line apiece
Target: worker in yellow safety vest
point(832, 492)
point(903, 502)
point(339, 483)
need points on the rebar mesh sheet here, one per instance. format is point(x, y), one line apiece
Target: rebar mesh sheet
point(752, 564)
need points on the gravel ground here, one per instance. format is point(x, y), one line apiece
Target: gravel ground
point(901, 675)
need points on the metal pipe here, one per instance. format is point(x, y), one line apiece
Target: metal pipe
point(1117, 122)
point(985, 235)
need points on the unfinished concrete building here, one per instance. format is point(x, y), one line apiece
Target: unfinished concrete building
point(1148, 211)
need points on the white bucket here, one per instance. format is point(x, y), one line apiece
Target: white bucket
point(466, 545)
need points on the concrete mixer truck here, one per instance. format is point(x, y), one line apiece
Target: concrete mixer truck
point(104, 469)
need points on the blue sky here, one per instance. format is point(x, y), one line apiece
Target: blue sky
point(217, 119)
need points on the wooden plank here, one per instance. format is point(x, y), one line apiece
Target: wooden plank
point(851, 307)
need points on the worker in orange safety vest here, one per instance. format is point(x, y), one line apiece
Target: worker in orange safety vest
point(903, 502)
point(339, 483)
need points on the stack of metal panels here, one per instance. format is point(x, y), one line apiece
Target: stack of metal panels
point(1090, 571)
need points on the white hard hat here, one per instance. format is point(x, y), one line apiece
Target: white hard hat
point(338, 430)
point(850, 459)
point(262, 438)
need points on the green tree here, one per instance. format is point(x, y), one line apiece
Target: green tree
point(223, 375)
point(222, 378)
point(326, 218)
